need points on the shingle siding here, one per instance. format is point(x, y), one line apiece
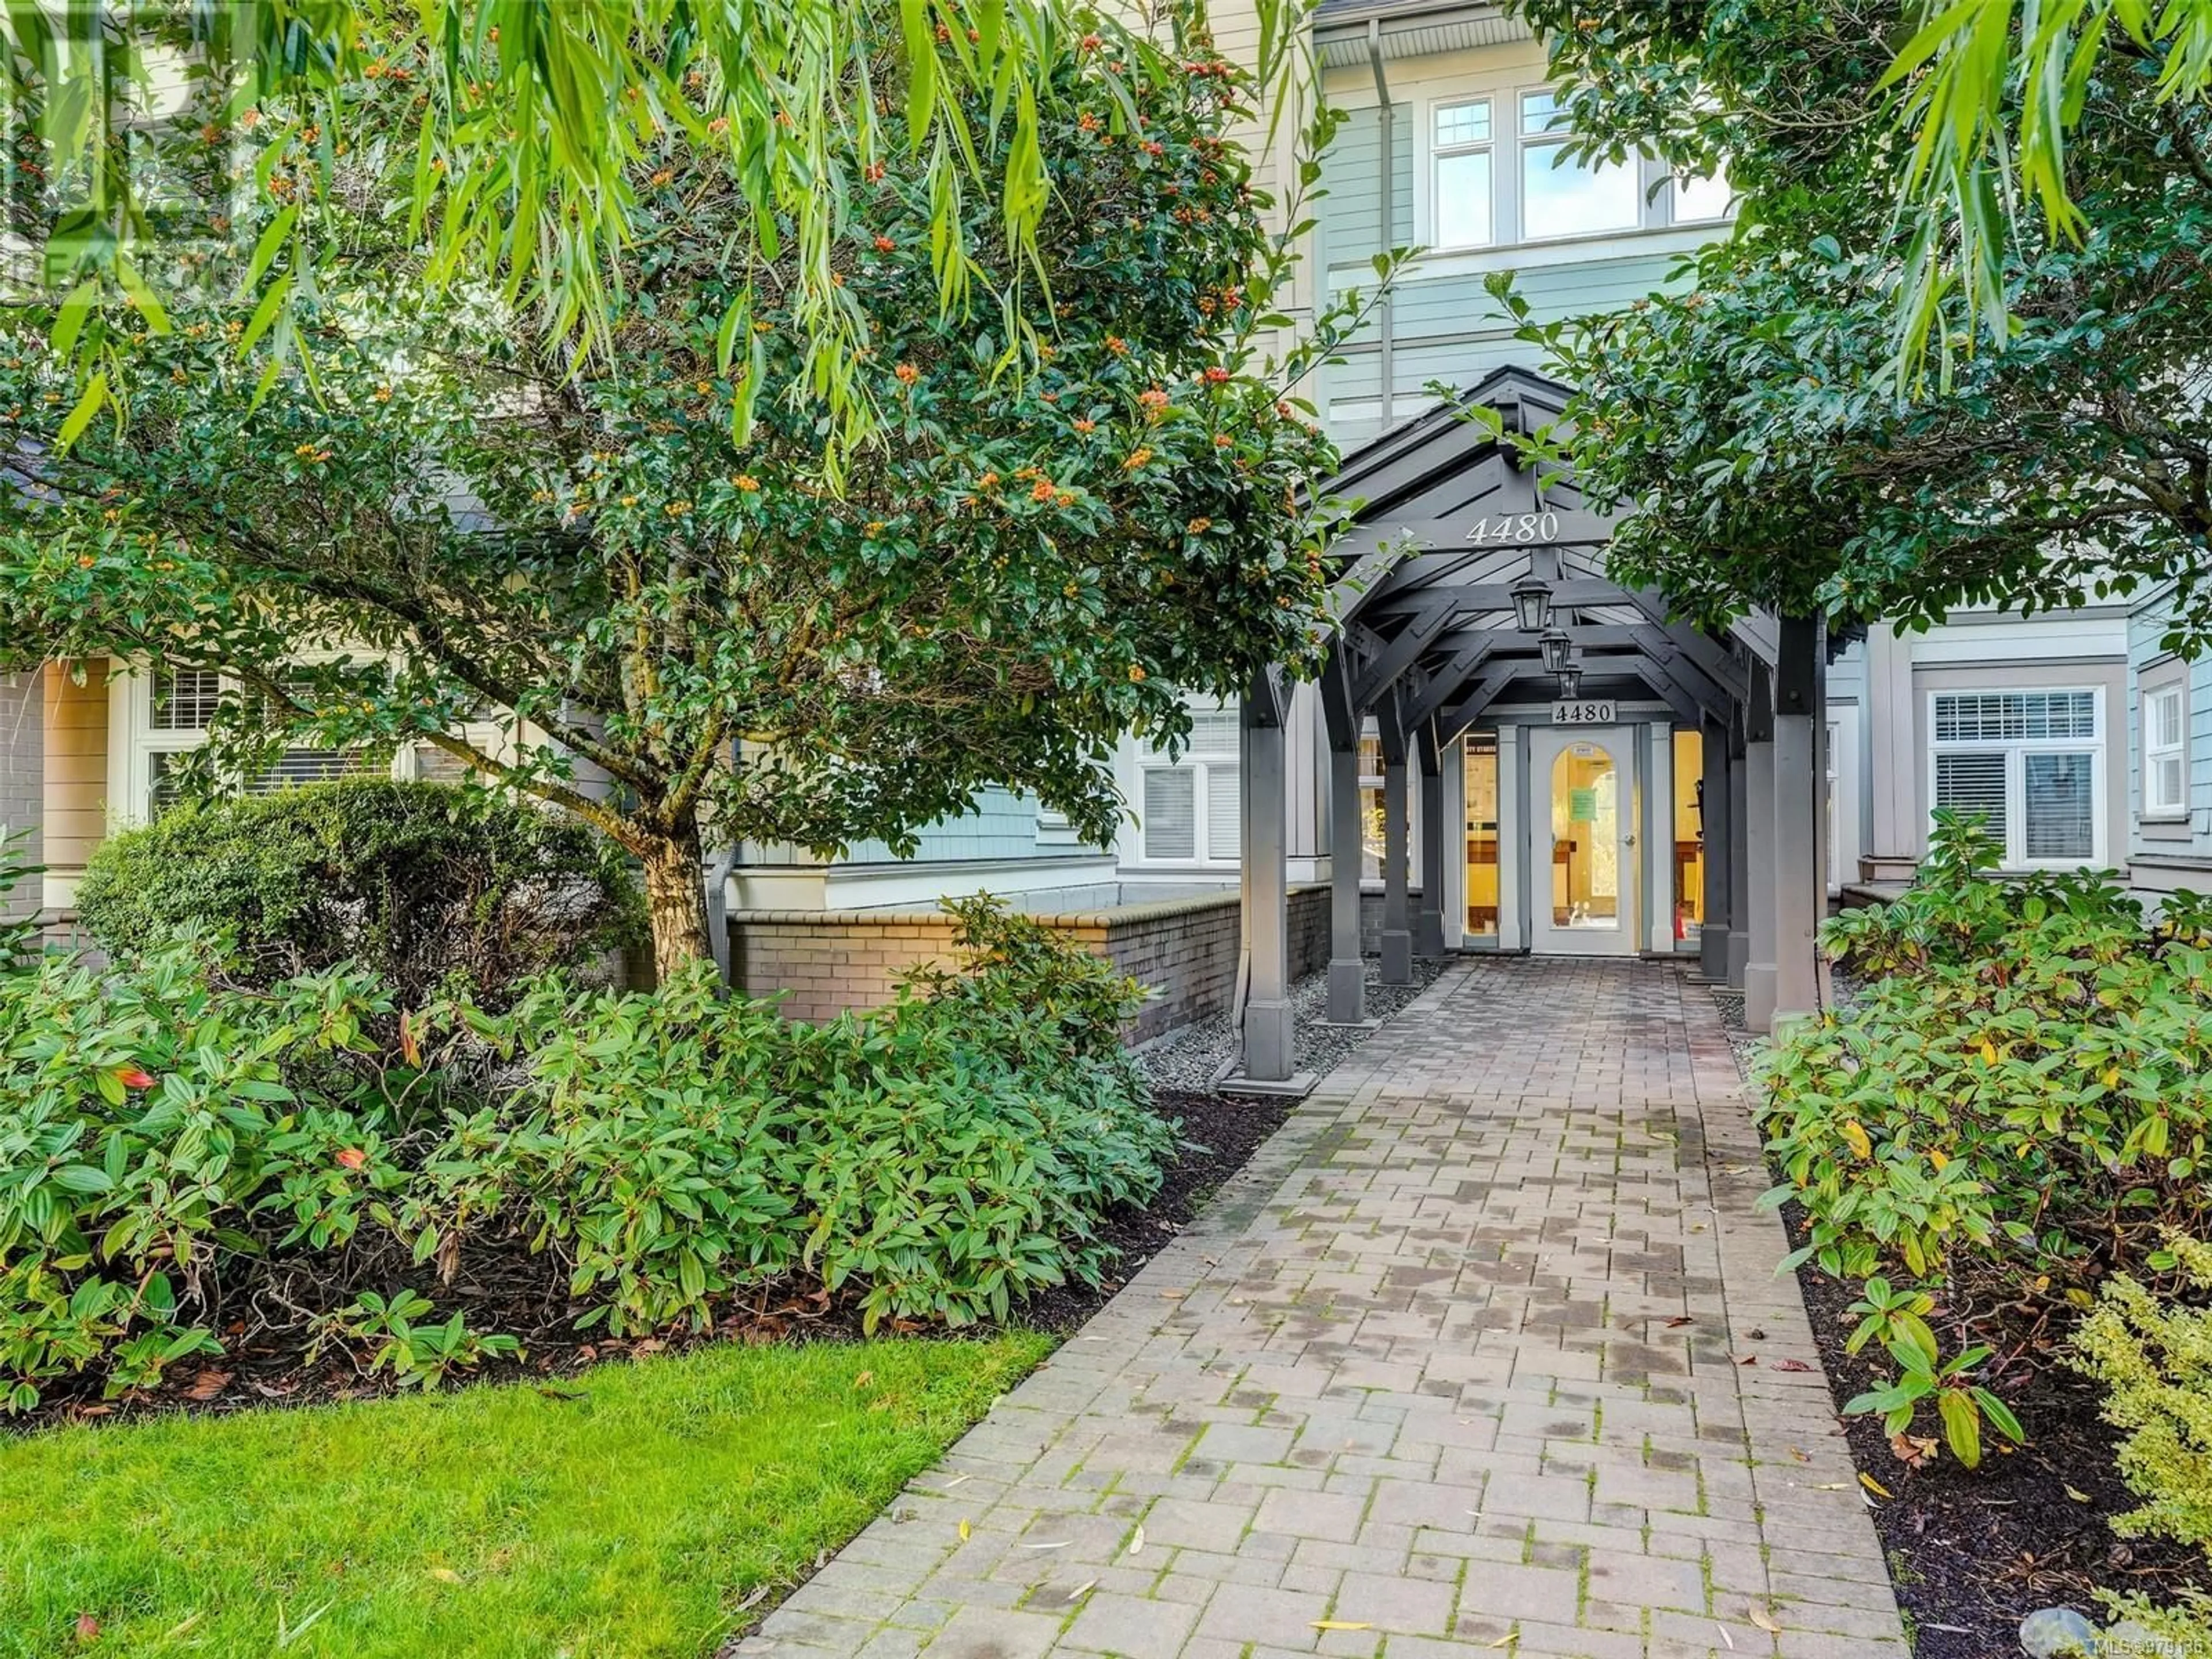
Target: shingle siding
point(22, 773)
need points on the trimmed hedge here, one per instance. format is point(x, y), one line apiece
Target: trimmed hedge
point(428, 885)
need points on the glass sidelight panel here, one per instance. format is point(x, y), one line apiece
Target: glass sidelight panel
point(1480, 768)
point(1689, 835)
point(1586, 885)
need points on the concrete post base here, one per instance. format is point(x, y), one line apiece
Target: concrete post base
point(1739, 956)
point(1758, 996)
point(1397, 957)
point(1271, 1040)
point(1428, 932)
point(1347, 992)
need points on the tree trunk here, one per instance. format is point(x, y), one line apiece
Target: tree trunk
point(675, 900)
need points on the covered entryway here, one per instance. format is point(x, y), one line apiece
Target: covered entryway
point(1594, 775)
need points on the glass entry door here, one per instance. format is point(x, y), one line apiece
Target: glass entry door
point(1582, 823)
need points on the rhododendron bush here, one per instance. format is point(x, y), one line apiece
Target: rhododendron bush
point(194, 1170)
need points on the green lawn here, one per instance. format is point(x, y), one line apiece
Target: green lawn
point(494, 1523)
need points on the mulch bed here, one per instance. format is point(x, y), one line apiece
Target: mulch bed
point(513, 1291)
point(1972, 1553)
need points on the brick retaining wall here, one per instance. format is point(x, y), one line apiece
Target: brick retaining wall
point(830, 960)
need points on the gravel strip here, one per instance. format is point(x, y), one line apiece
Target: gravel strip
point(1191, 1057)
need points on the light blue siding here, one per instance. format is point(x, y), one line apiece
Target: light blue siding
point(2146, 627)
point(1004, 825)
point(1449, 329)
point(1351, 214)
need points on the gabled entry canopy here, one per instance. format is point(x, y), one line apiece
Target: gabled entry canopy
point(1450, 515)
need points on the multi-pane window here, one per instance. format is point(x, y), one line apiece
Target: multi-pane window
point(2026, 765)
point(179, 706)
point(1563, 197)
point(1464, 184)
point(2165, 751)
point(1188, 810)
point(1496, 170)
point(184, 698)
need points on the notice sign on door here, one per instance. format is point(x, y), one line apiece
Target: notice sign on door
point(1582, 806)
point(1586, 713)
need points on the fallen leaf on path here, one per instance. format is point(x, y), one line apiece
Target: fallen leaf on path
point(1082, 1590)
point(956, 1481)
point(1057, 1544)
point(1136, 1540)
point(966, 1532)
point(1726, 1638)
point(1875, 1486)
point(1802, 1456)
point(1748, 1359)
point(1764, 1619)
point(1792, 1365)
point(1338, 1624)
point(1678, 1320)
point(1755, 1334)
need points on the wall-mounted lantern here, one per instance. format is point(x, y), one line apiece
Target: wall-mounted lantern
point(1532, 603)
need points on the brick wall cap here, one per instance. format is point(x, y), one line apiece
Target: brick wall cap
point(1119, 914)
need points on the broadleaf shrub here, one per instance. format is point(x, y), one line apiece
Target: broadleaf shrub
point(181, 1154)
point(2151, 1353)
point(18, 934)
point(429, 885)
point(2008, 1114)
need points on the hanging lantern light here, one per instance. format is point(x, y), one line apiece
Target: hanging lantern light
point(1557, 648)
point(1571, 683)
point(1532, 603)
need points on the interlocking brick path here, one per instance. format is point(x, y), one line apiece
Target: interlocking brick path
point(1463, 1359)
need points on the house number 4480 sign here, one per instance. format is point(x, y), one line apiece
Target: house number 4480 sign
point(1588, 712)
point(1514, 529)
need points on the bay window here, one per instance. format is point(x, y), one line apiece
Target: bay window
point(2028, 765)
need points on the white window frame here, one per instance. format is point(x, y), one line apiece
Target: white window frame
point(1656, 207)
point(2013, 830)
point(134, 742)
point(1203, 765)
point(1438, 153)
point(2157, 808)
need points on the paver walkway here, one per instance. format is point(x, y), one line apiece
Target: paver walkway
point(1462, 1361)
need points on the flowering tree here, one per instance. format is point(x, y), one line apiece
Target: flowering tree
point(1048, 532)
point(509, 137)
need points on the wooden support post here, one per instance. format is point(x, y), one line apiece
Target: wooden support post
point(1800, 883)
point(1428, 922)
point(1760, 820)
point(1347, 973)
point(1712, 944)
point(1270, 1028)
